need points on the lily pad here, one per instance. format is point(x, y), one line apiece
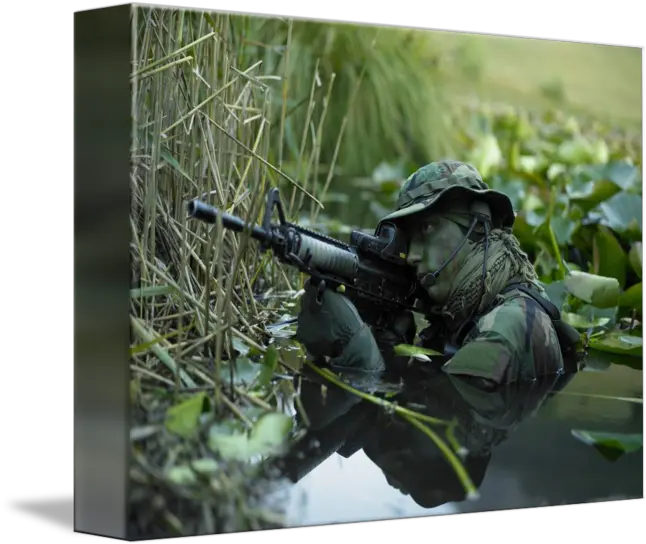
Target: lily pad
point(593, 314)
point(183, 419)
point(610, 445)
point(556, 292)
point(601, 361)
point(581, 322)
point(245, 371)
point(623, 174)
point(417, 352)
point(632, 297)
point(600, 291)
point(593, 193)
point(635, 258)
point(617, 342)
point(609, 258)
point(240, 346)
point(577, 150)
point(267, 437)
point(623, 213)
point(563, 229)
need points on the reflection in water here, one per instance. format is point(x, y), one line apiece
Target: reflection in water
point(360, 463)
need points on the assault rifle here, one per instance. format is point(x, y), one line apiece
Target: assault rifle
point(372, 270)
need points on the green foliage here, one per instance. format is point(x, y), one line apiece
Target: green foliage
point(385, 81)
point(183, 419)
point(611, 445)
point(267, 437)
point(576, 186)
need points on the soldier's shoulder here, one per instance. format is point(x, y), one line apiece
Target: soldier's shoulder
point(508, 314)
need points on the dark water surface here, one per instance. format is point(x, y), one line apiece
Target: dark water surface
point(524, 452)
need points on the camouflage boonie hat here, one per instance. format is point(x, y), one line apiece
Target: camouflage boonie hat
point(437, 180)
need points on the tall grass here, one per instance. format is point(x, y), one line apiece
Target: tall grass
point(398, 109)
point(201, 129)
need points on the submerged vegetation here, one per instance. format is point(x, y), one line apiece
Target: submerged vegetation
point(226, 107)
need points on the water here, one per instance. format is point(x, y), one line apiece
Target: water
point(526, 453)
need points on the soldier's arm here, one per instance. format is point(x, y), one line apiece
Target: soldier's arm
point(495, 347)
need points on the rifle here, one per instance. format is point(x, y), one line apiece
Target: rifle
point(371, 270)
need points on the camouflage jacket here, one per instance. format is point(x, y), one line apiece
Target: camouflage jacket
point(515, 340)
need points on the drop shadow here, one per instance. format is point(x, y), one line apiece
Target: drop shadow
point(58, 511)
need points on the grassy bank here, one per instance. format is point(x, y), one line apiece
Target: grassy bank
point(597, 80)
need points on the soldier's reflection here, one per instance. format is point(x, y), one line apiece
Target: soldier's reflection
point(343, 423)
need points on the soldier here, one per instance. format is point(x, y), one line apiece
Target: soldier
point(490, 316)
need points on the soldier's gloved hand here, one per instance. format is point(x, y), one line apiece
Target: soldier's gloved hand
point(400, 330)
point(330, 326)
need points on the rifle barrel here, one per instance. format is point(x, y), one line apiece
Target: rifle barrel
point(209, 214)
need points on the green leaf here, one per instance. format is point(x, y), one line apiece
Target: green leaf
point(244, 371)
point(149, 337)
point(268, 365)
point(271, 430)
point(165, 154)
point(486, 156)
point(267, 437)
point(577, 150)
point(415, 351)
point(592, 313)
point(524, 232)
point(609, 258)
point(632, 297)
point(240, 346)
point(610, 445)
point(622, 173)
point(211, 22)
point(581, 322)
point(556, 292)
point(593, 193)
point(601, 361)
point(623, 213)
point(563, 229)
point(635, 258)
point(188, 473)
point(600, 291)
point(617, 342)
point(183, 419)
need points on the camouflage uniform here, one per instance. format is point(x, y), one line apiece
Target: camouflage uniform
point(513, 339)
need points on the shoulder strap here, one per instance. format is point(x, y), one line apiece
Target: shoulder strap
point(567, 335)
point(550, 309)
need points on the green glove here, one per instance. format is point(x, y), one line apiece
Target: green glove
point(330, 326)
point(400, 329)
